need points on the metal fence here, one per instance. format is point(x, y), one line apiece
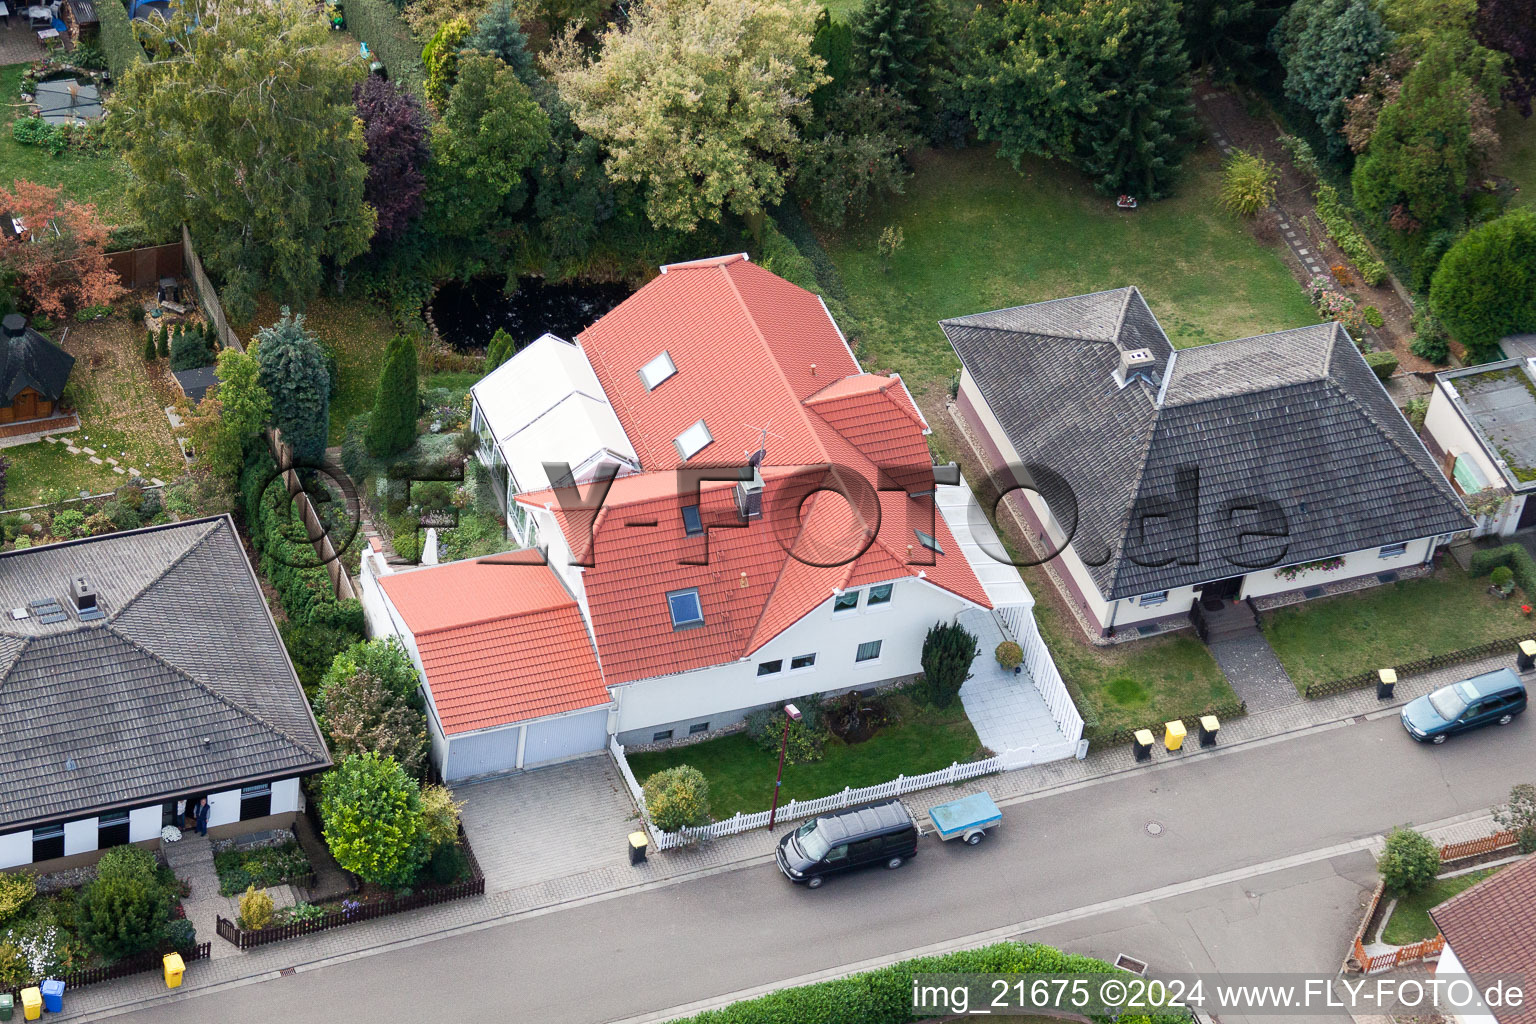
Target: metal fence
point(849, 797)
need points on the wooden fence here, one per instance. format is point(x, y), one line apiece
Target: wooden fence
point(143, 268)
point(849, 797)
point(1408, 668)
point(351, 912)
point(1477, 847)
point(1374, 963)
point(207, 295)
point(126, 967)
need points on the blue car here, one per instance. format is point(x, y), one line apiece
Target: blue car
point(1491, 699)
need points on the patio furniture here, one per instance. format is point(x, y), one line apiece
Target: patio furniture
point(47, 34)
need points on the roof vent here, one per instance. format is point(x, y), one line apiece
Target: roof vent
point(84, 596)
point(14, 325)
point(20, 613)
point(1134, 362)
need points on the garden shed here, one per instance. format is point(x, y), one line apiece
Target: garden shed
point(83, 20)
point(33, 372)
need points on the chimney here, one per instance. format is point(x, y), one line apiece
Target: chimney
point(749, 495)
point(1132, 362)
point(14, 325)
point(83, 593)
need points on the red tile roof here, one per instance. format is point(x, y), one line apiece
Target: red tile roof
point(752, 351)
point(1491, 927)
point(500, 638)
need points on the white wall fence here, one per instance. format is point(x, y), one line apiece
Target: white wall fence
point(1047, 679)
point(849, 797)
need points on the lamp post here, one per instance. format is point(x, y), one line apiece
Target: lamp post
point(791, 714)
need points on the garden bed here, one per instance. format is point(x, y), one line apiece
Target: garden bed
point(365, 906)
point(263, 867)
point(740, 770)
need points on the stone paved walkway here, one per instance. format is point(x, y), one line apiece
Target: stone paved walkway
point(1006, 709)
point(610, 873)
point(1256, 675)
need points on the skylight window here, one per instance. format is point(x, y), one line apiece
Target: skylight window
point(657, 370)
point(693, 440)
point(685, 608)
point(692, 524)
point(928, 541)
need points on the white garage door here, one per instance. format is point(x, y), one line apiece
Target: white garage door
point(566, 737)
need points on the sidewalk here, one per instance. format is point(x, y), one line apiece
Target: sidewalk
point(735, 851)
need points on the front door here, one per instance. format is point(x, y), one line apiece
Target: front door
point(25, 406)
point(1218, 592)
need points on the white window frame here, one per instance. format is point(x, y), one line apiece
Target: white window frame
point(693, 440)
point(872, 605)
point(844, 596)
point(879, 650)
point(658, 371)
point(804, 668)
point(1148, 600)
point(771, 672)
point(1392, 550)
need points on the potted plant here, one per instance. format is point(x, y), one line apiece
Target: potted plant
point(1503, 580)
point(1009, 655)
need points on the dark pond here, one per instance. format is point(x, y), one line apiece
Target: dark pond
point(467, 314)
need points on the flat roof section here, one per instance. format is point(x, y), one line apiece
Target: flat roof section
point(1499, 400)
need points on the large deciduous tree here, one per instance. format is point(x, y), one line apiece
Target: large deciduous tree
point(396, 154)
point(698, 100)
point(853, 155)
point(491, 131)
point(231, 416)
point(1485, 287)
point(58, 259)
point(294, 374)
point(1104, 86)
point(1325, 47)
point(244, 128)
point(1509, 26)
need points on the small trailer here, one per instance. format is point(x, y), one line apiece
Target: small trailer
point(968, 818)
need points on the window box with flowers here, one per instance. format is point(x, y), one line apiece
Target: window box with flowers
point(1292, 572)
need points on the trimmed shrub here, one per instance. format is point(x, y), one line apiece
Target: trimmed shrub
point(1409, 862)
point(392, 425)
point(190, 350)
point(149, 346)
point(440, 815)
point(1009, 654)
point(1247, 183)
point(371, 811)
point(256, 909)
point(948, 650)
point(1383, 364)
point(163, 342)
point(16, 891)
point(1372, 316)
point(1503, 577)
point(116, 38)
point(1514, 556)
point(677, 798)
point(128, 906)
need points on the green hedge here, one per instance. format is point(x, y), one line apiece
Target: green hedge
point(285, 555)
point(377, 23)
point(117, 40)
point(1383, 364)
point(1515, 557)
point(884, 996)
point(1226, 711)
point(1331, 212)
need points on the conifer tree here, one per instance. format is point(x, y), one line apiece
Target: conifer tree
point(392, 426)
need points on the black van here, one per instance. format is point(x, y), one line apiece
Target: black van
point(855, 838)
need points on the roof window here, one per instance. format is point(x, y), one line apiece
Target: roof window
point(693, 440)
point(928, 541)
point(685, 608)
point(657, 370)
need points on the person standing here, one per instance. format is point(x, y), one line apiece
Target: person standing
point(201, 814)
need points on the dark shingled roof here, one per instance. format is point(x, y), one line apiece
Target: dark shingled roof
point(31, 360)
point(113, 712)
point(1295, 417)
point(1491, 928)
point(196, 382)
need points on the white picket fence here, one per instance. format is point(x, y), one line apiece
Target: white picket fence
point(1047, 678)
point(849, 797)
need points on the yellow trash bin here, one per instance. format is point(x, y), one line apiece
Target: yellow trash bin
point(31, 1003)
point(174, 969)
point(1173, 739)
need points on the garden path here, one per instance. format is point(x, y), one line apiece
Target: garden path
point(1006, 710)
point(191, 857)
point(99, 459)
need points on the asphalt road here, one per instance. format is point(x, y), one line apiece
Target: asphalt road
point(732, 931)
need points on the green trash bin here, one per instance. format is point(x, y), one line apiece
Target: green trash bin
point(7, 1005)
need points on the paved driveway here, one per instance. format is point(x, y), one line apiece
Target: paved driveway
point(549, 823)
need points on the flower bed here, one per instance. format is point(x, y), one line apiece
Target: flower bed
point(263, 868)
point(1292, 572)
point(309, 918)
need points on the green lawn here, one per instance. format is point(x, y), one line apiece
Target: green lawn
point(1517, 153)
point(1341, 636)
point(981, 235)
point(358, 331)
point(1410, 918)
point(741, 773)
point(99, 178)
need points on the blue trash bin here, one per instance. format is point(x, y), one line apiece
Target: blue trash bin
point(53, 995)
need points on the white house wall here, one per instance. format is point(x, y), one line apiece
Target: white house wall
point(80, 836)
point(715, 694)
point(1357, 563)
point(1452, 433)
point(1130, 611)
point(144, 822)
point(1449, 967)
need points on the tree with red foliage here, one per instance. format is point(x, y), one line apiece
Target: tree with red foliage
point(59, 258)
point(395, 131)
point(1510, 26)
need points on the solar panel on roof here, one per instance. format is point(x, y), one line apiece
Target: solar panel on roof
point(48, 610)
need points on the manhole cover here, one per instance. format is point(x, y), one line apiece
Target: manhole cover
point(1154, 828)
